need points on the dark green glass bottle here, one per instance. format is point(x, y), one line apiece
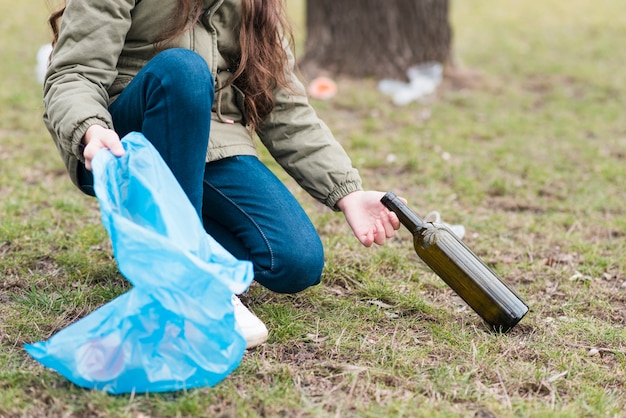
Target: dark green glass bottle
point(461, 269)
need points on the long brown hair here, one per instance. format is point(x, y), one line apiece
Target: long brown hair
point(263, 62)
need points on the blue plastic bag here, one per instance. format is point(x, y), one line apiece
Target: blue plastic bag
point(175, 328)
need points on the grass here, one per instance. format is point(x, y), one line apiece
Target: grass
point(530, 157)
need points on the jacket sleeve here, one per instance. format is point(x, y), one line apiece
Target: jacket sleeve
point(305, 147)
point(82, 68)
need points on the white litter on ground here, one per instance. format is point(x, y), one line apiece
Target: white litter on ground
point(423, 81)
point(43, 55)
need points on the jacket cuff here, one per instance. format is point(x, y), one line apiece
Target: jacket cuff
point(341, 191)
point(77, 137)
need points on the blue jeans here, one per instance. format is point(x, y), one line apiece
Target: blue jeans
point(243, 205)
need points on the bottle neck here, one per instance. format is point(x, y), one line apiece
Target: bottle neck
point(406, 215)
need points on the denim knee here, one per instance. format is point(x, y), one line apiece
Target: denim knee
point(186, 75)
point(294, 269)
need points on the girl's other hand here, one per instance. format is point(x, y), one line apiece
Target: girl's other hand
point(98, 137)
point(369, 219)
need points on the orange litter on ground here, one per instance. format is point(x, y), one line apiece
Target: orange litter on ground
point(322, 88)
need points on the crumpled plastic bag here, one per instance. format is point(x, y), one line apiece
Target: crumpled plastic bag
point(423, 81)
point(175, 328)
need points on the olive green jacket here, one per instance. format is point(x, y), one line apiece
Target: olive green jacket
point(103, 44)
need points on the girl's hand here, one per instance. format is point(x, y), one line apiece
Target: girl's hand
point(98, 137)
point(369, 219)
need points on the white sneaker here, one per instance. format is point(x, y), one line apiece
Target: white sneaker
point(252, 328)
point(435, 217)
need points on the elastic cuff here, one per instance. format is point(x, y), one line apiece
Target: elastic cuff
point(77, 138)
point(341, 191)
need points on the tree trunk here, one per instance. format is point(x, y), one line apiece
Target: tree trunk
point(374, 38)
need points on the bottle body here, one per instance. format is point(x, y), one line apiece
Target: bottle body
point(461, 269)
